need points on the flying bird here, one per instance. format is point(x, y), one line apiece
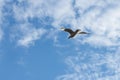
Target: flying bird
point(73, 33)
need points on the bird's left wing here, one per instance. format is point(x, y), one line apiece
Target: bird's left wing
point(69, 30)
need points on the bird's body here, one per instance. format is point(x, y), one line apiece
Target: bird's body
point(73, 33)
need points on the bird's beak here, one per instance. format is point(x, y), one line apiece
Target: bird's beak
point(62, 28)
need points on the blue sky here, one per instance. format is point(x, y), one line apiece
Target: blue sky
point(32, 46)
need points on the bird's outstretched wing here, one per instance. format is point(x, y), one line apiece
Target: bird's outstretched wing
point(83, 33)
point(69, 30)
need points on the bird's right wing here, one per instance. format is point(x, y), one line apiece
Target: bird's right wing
point(69, 30)
point(83, 33)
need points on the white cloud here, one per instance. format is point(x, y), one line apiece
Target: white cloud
point(31, 36)
point(63, 13)
point(105, 28)
point(26, 34)
point(2, 2)
point(31, 9)
point(101, 18)
point(93, 66)
point(60, 11)
point(22, 13)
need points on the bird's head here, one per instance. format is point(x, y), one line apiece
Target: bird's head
point(78, 31)
point(62, 28)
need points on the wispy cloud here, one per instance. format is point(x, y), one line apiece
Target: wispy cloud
point(29, 38)
point(2, 2)
point(105, 28)
point(100, 17)
point(24, 13)
point(93, 66)
point(26, 34)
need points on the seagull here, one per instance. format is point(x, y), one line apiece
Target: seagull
point(73, 33)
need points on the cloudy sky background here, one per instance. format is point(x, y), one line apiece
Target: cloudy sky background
point(32, 46)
